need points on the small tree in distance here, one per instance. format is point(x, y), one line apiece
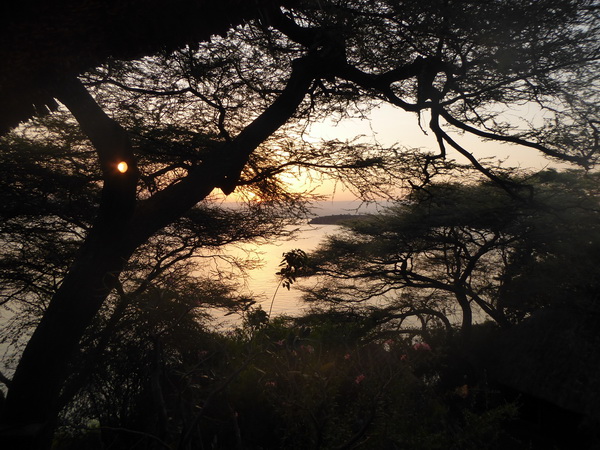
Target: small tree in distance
point(465, 253)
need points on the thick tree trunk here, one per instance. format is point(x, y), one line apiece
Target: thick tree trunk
point(31, 405)
point(467, 315)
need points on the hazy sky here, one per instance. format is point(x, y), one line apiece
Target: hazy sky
point(389, 125)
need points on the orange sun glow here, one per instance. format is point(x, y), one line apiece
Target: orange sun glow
point(122, 167)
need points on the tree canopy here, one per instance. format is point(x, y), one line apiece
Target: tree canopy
point(45, 41)
point(223, 103)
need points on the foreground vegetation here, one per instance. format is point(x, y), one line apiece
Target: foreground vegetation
point(327, 381)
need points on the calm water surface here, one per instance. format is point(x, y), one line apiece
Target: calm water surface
point(263, 282)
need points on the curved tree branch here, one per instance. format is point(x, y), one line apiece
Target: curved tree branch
point(512, 139)
point(223, 166)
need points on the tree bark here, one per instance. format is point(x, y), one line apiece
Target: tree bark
point(32, 400)
point(33, 394)
point(467, 314)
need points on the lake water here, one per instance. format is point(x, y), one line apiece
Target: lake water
point(263, 282)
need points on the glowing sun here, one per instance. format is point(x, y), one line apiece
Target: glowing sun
point(122, 167)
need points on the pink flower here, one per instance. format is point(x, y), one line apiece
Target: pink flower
point(280, 343)
point(422, 346)
point(347, 356)
point(462, 391)
point(308, 348)
point(404, 357)
point(359, 379)
point(270, 384)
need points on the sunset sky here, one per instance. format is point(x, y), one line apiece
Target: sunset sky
point(389, 126)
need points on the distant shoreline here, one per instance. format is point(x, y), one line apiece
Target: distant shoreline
point(337, 219)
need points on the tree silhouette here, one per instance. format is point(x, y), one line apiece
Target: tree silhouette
point(459, 65)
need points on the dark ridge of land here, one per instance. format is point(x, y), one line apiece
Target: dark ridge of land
point(337, 219)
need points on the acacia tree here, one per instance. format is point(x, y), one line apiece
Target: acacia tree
point(463, 251)
point(43, 227)
point(457, 64)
